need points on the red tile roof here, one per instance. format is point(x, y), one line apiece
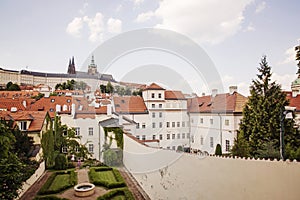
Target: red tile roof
point(174, 95)
point(220, 103)
point(37, 118)
point(130, 105)
point(18, 94)
point(293, 101)
point(154, 86)
point(7, 104)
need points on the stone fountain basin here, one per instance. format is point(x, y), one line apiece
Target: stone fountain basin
point(84, 189)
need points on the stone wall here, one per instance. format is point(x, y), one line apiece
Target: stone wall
point(166, 174)
point(29, 182)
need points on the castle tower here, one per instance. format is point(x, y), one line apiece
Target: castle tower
point(296, 83)
point(92, 68)
point(71, 67)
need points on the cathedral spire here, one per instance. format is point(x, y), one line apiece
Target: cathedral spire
point(71, 67)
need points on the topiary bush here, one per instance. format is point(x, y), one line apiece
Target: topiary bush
point(60, 162)
point(218, 151)
point(51, 197)
point(115, 192)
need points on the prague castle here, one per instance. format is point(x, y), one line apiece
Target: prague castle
point(31, 78)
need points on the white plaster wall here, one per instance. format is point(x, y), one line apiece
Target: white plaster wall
point(169, 175)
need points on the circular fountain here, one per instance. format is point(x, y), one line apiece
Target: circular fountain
point(84, 189)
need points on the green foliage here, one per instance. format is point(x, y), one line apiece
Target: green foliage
point(59, 181)
point(179, 148)
point(48, 148)
point(110, 157)
point(12, 87)
point(118, 132)
point(268, 150)
point(123, 192)
point(109, 88)
point(39, 96)
point(103, 88)
point(262, 114)
point(241, 146)
point(218, 150)
point(106, 177)
point(71, 85)
point(138, 92)
point(60, 162)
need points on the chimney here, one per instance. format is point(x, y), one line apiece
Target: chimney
point(232, 89)
point(73, 110)
point(214, 92)
point(109, 109)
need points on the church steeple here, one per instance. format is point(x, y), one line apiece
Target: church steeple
point(92, 68)
point(71, 67)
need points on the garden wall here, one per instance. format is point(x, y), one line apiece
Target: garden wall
point(165, 174)
point(29, 182)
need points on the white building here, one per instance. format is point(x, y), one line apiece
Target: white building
point(215, 120)
point(160, 115)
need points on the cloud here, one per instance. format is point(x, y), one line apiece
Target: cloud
point(114, 25)
point(119, 8)
point(205, 20)
point(82, 11)
point(75, 26)
point(260, 7)
point(96, 27)
point(144, 16)
point(249, 28)
point(284, 80)
point(137, 2)
point(289, 56)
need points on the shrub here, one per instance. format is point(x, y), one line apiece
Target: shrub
point(60, 162)
point(104, 183)
point(49, 198)
point(120, 191)
point(218, 151)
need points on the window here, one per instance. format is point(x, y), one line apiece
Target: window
point(168, 147)
point(77, 131)
point(188, 135)
point(201, 140)
point(178, 135)
point(52, 100)
point(183, 135)
point(211, 121)
point(138, 125)
point(173, 124)
point(153, 115)
point(160, 124)
point(227, 122)
point(91, 131)
point(153, 105)
point(137, 137)
point(153, 137)
point(143, 125)
point(160, 137)
point(159, 95)
point(183, 124)
point(51, 109)
point(160, 105)
point(211, 142)
point(173, 136)
point(152, 95)
point(168, 136)
point(178, 124)
point(23, 126)
point(143, 137)
point(68, 100)
point(227, 142)
point(173, 147)
point(193, 139)
point(168, 124)
point(160, 114)
point(91, 148)
point(64, 149)
point(153, 125)
point(201, 120)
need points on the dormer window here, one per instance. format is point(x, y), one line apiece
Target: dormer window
point(23, 126)
point(68, 100)
point(52, 100)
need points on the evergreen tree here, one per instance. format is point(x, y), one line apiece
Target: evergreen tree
point(109, 88)
point(218, 150)
point(262, 114)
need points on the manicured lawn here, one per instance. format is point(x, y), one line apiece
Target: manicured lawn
point(106, 175)
point(119, 197)
point(60, 181)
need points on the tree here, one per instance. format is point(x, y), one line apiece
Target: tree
point(14, 87)
point(218, 151)
point(8, 85)
point(60, 162)
point(261, 115)
point(48, 148)
point(103, 88)
point(241, 146)
point(109, 88)
point(12, 169)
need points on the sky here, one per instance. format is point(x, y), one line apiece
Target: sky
point(235, 34)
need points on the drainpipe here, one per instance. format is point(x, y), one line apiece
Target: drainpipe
point(220, 130)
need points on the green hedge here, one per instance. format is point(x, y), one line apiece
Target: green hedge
point(110, 185)
point(115, 192)
point(45, 188)
point(49, 198)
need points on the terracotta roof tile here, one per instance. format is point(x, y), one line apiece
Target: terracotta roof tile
point(154, 86)
point(18, 94)
point(7, 104)
point(130, 105)
point(174, 95)
point(220, 103)
point(293, 101)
